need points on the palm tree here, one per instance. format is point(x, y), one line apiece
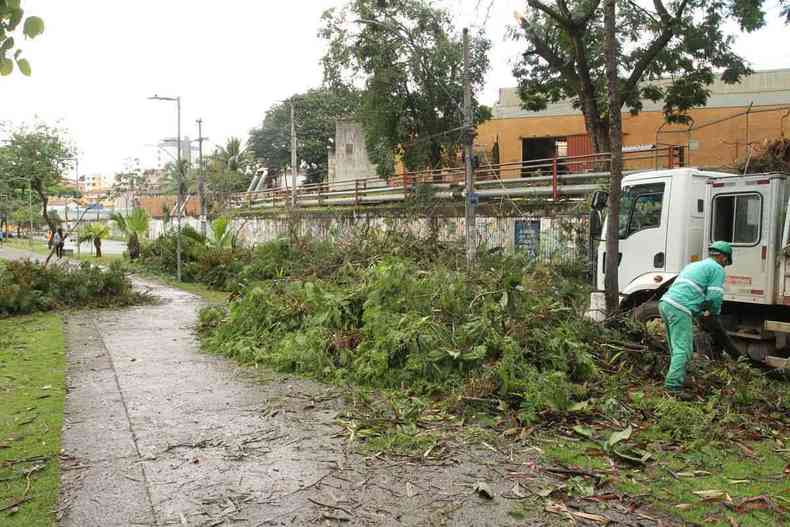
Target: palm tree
point(95, 232)
point(134, 226)
point(230, 154)
point(221, 233)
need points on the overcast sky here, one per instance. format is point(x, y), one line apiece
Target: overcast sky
point(229, 61)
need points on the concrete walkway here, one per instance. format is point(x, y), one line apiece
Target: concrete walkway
point(158, 433)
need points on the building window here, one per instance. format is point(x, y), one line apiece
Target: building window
point(737, 218)
point(349, 149)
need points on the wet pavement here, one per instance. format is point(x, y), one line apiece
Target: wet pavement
point(157, 432)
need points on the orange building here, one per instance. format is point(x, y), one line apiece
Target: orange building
point(736, 115)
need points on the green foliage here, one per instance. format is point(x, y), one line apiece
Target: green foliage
point(221, 233)
point(35, 157)
point(315, 114)
point(134, 226)
point(217, 268)
point(11, 16)
point(160, 254)
point(228, 169)
point(351, 315)
point(27, 287)
point(392, 312)
point(410, 56)
point(684, 42)
point(94, 231)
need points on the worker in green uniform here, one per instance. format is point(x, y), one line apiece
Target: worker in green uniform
point(697, 291)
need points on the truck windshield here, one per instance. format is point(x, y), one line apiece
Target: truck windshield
point(640, 208)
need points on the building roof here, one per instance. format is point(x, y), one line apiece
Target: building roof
point(762, 88)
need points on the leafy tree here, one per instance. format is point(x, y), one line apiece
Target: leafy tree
point(669, 53)
point(133, 227)
point(315, 114)
point(20, 216)
point(55, 218)
point(610, 56)
point(38, 155)
point(410, 56)
point(12, 16)
point(95, 232)
point(129, 184)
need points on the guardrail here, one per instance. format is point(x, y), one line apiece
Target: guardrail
point(550, 179)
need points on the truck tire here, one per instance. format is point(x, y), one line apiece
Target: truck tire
point(646, 312)
point(649, 315)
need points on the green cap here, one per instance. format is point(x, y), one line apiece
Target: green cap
point(723, 248)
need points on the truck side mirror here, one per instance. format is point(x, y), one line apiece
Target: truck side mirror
point(600, 199)
point(596, 225)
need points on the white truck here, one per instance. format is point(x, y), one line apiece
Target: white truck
point(667, 220)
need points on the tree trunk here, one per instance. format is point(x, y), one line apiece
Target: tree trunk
point(97, 244)
point(133, 246)
point(44, 203)
point(611, 285)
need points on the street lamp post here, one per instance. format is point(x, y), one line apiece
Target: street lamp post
point(177, 100)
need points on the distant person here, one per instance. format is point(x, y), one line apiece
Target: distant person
point(59, 240)
point(50, 236)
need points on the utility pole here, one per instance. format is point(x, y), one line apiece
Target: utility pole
point(293, 157)
point(469, 204)
point(179, 198)
point(201, 180)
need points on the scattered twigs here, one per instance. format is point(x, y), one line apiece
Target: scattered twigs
point(328, 506)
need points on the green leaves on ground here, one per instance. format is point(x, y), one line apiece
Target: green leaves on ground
point(342, 312)
point(27, 287)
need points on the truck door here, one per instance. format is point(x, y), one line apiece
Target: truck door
point(643, 229)
point(741, 214)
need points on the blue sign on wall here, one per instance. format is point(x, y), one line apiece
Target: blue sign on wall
point(527, 237)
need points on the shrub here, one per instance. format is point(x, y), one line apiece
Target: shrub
point(27, 286)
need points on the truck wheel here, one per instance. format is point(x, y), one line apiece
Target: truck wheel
point(648, 314)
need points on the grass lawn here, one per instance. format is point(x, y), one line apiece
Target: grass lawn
point(32, 390)
point(700, 483)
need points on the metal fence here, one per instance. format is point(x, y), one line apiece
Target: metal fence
point(550, 179)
